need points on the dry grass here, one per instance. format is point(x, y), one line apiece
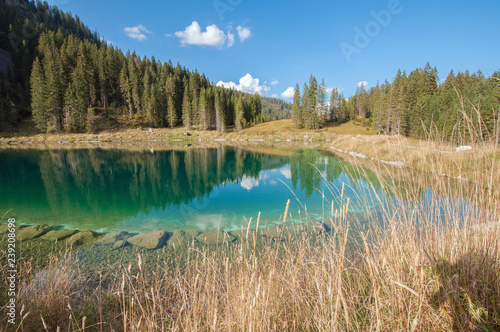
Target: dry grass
point(280, 129)
point(425, 263)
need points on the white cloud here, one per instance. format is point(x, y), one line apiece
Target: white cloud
point(246, 84)
point(230, 39)
point(137, 32)
point(248, 182)
point(362, 84)
point(286, 172)
point(288, 93)
point(212, 36)
point(243, 33)
point(275, 82)
point(274, 95)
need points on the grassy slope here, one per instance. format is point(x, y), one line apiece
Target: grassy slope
point(26, 132)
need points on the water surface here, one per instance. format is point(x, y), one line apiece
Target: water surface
point(191, 188)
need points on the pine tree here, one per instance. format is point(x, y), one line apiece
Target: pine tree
point(171, 113)
point(186, 109)
point(310, 104)
point(296, 108)
point(239, 117)
point(219, 104)
point(38, 90)
point(322, 102)
point(203, 111)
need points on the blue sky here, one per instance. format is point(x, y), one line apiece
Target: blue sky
point(281, 43)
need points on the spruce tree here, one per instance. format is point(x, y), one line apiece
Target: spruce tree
point(239, 117)
point(38, 90)
point(186, 109)
point(171, 113)
point(296, 108)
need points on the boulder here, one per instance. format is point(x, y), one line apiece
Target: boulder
point(120, 244)
point(273, 231)
point(5, 228)
point(32, 232)
point(191, 233)
point(80, 238)
point(316, 226)
point(180, 238)
point(215, 237)
point(242, 233)
point(152, 240)
point(114, 236)
point(280, 230)
point(57, 235)
point(329, 222)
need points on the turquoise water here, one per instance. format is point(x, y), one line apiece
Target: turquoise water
point(192, 188)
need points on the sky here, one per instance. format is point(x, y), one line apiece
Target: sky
point(267, 47)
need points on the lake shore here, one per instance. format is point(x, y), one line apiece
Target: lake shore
point(413, 267)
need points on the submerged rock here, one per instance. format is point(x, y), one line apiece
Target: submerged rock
point(57, 235)
point(5, 228)
point(283, 230)
point(179, 237)
point(120, 244)
point(215, 237)
point(152, 240)
point(80, 238)
point(242, 233)
point(316, 226)
point(32, 232)
point(114, 236)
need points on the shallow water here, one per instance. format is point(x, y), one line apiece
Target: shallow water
point(192, 188)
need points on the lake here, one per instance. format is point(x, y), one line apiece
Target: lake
point(177, 188)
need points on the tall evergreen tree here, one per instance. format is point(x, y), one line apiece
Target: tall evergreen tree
point(297, 108)
point(239, 116)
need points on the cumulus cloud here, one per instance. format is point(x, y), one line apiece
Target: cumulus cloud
point(137, 32)
point(246, 84)
point(274, 95)
point(286, 172)
point(275, 82)
point(248, 182)
point(243, 33)
point(288, 93)
point(230, 39)
point(362, 84)
point(212, 36)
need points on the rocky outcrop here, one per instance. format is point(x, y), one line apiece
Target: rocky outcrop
point(152, 240)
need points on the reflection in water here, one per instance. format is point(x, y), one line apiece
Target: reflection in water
point(198, 188)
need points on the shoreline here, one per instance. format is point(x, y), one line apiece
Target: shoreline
point(26, 233)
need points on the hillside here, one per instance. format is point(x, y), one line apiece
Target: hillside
point(66, 79)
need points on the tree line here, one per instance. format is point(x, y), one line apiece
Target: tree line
point(74, 82)
point(20, 28)
point(465, 107)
